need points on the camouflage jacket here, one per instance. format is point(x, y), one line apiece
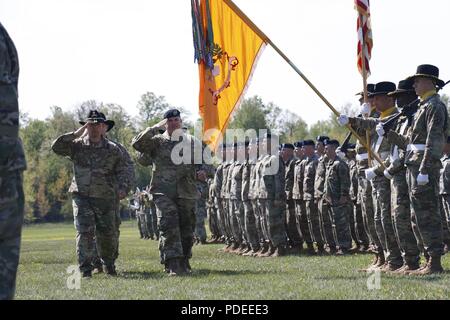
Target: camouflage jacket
point(361, 151)
point(255, 178)
point(289, 177)
point(320, 177)
point(12, 156)
point(297, 188)
point(309, 177)
point(428, 132)
point(100, 171)
point(247, 170)
point(168, 178)
point(337, 181)
point(272, 180)
point(397, 155)
point(218, 180)
point(444, 180)
point(380, 145)
point(227, 168)
point(353, 179)
point(236, 181)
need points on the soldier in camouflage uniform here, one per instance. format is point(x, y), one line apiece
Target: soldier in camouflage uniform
point(326, 223)
point(295, 240)
point(337, 195)
point(444, 192)
point(218, 182)
point(309, 167)
point(101, 177)
point(424, 142)
point(252, 229)
point(212, 213)
point(12, 164)
point(381, 184)
point(173, 187)
point(297, 196)
point(404, 227)
point(272, 191)
point(200, 212)
point(237, 214)
point(232, 245)
point(359, 234)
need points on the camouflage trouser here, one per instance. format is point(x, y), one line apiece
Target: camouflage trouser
point(11, 219)
point(361, 234)
point(275, 222)
point(221, 218)
point(233, 220)
point(262, 203)
point(446, 218)
point(368, 212)
point(154, 219)
point(176, 223)
point(425, 209)
point(402, 219)
point(341, 226)
point(314, 222)
point(258, 220)
point(383, 221)
point(212, 220)
point(250, 226)
point(301, 218)
point(96, 222)
point(143, 224)
point(149, 222)
point(226, 214)
point(294, 236)
point(326, 223)
point(200, 216)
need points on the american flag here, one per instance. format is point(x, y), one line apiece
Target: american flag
point(364, 35)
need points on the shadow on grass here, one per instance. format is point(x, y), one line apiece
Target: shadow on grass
point(196, 273)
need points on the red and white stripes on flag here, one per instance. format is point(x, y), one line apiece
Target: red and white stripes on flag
point(364, 35)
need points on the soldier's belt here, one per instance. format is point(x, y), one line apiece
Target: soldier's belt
point(362, 156)
point(416, 147)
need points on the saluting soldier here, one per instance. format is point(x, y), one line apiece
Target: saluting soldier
point(101, 178)
point(173, 187)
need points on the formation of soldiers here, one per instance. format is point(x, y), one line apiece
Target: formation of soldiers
point(391, 200)
point(145, 212)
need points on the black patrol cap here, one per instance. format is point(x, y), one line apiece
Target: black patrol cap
point(308, 143)
point(332, 142)
point(383, 88)
point(298, 144)
point(287, 146)
point(171, 113)
point(95, 116)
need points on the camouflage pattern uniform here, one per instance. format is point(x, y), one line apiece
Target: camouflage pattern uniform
point(336, 188)
point(444, 191)
point(310, 167)
point(237, 214)
point(324, 207)
point(357, 221)
point(365, 192)
point(272, 190)
point(248, 196)
point(405, 226)
point(301, 216)
point(261, 202)
point(100, 171)
point(424, 143)
point(226, 200)
point(218, 183)
point(255, 181)
point(382, 191)
point(200, 211)
point(294, 236)
point(173, 187)
point(211, 211)
point(12, 164)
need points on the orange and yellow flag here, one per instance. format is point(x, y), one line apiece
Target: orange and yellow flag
point(227, 47)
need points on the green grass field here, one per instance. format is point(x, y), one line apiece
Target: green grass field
point(48, 250)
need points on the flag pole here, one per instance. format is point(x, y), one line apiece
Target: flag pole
point(365, 96)
point(255, 28)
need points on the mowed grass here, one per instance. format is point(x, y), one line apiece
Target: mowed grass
point(48, 250)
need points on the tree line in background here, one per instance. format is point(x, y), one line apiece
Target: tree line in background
point(48, 176)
